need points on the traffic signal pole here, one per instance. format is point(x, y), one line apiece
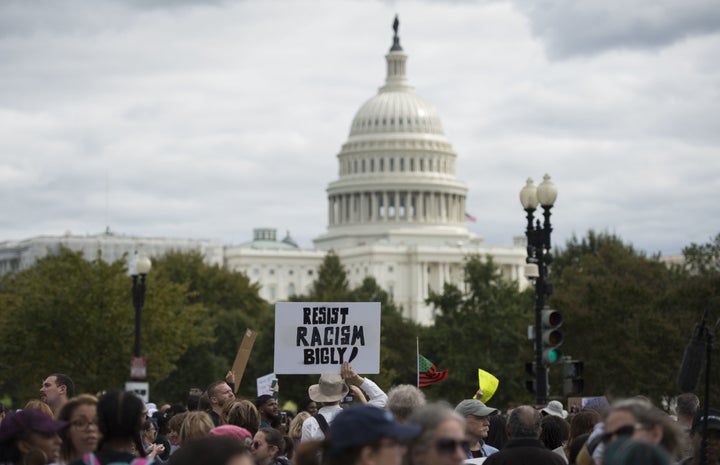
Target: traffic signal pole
point(541, 385)
point(538, 253)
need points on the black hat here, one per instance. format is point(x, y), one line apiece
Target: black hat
point(713, 420)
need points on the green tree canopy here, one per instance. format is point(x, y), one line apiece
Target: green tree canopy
point(625, 315)
point(481, 326)
point(67, 314)
point(233, 305)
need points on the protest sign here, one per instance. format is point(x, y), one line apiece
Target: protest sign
point(242, 356)
point(315, 338)
point(264, 384)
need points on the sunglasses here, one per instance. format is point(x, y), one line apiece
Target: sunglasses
point(623, 431)
point(448, 446)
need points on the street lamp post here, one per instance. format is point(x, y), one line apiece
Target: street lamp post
point(142, 267)
point(538, 253)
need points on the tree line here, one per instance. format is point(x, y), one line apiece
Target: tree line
point(627, 316)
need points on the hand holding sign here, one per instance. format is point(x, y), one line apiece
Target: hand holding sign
point(348, 374)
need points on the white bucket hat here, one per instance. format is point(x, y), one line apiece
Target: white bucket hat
point(331, 388)
point(555, 408)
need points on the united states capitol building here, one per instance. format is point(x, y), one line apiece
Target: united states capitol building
point(396, 212)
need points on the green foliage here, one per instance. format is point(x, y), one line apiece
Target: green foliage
point(703, 259)
point(626, 316)
point(483, 326)
point(66, 314)
point(331, 283)
point(233, 305)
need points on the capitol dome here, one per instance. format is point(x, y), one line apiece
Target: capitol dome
point(394, 111)
point(397, 179)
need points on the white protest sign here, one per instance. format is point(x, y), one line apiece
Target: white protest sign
point(264, 384)
point(317, 337)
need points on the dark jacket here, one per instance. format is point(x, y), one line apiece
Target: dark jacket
point(523, 451)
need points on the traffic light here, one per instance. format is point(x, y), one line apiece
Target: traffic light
point(552, 337)
point(573, 382)
point(530, 383)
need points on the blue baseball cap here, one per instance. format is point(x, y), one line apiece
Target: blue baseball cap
point(360, 425)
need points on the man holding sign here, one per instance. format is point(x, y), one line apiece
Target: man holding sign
point(330, 390)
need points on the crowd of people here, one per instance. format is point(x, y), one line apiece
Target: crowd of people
point(347, 419)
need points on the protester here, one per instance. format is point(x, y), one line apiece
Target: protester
point(267, 407)
point(195, 425)
point(524, 446)
point(83, 435)
point(477, 423)
point(295, 429)
point(403, 400)
point(242, 413)
point(582, 423)
point(308, 405)
point(149, 439)
point(120, 418)
point(497, 432)
point(232, 431)
point(554, 408)
point(56, 390)
point(359, 435)
point(174, 424)
point(631, 452)
point(713, 438)
point(575, 446)
point(219, 393)
point(268, 448)
point(39, 405)
point(688, 405)
point(442, 437)
point(330, 391)
point(639, 419)
point(213, 450)
point(555, 432)
point(30, 437)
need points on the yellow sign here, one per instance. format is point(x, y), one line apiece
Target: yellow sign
point(488, 384)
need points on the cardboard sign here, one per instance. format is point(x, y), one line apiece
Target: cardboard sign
point(242, 356)
point(317, 337)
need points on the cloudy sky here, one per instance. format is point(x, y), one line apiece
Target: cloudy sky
point(205, 119)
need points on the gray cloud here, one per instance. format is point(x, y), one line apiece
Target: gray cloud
point(207, 120)
point(571, 28)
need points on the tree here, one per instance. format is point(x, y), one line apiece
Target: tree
point(703, 259)
point(397, 338)
point(233, 305)
point(67, 314)
point(483, 326)
point(618, 317)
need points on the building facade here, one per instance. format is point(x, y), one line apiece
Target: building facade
point(396, 212)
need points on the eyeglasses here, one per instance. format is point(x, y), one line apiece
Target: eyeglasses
point(83, 424)
point(623, 431)
point(448, 446)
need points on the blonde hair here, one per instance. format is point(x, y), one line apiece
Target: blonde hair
point(295, 429)
point(37, 404)
point(195, 425)
point(242, 413)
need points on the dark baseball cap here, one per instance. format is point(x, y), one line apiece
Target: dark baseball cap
point(360, 425)
point(29, 420)
point(713, 420)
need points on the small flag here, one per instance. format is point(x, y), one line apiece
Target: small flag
point(428, 373)
point(470, 218)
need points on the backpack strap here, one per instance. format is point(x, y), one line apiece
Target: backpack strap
point(322, 422)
